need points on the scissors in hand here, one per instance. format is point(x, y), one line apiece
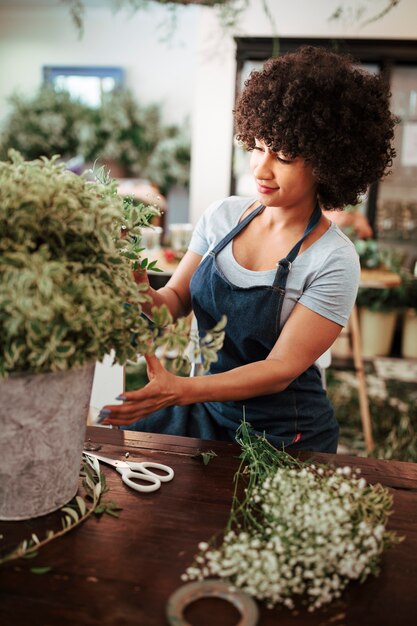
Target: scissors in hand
point(131, 472)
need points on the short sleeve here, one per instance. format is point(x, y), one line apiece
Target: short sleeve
point(332, 291)
point(200, 239)
point(216, 222)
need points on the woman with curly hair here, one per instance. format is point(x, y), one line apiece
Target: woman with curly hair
point(320, 132)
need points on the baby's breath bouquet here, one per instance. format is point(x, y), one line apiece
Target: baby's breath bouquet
point(301, 532)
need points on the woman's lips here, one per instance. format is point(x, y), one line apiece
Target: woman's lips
point(266, 190)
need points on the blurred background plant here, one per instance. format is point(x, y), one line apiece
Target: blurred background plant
point(393, 407)
point(386, 299)
point(48, 123)
point(410, 290)
point(128, 137)
point(229, 11)
point(124, 132)
point(169, 163)
point(374, 256)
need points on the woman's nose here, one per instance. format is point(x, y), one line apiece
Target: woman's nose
point(262, 167)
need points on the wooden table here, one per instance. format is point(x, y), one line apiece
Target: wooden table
point(120, 572)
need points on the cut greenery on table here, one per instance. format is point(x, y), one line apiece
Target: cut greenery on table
point(300, 532)
point(72, 514)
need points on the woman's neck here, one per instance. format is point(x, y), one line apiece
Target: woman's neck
point(288, 218)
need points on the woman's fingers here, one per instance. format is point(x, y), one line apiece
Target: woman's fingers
point(141, 277)
point(160, 392)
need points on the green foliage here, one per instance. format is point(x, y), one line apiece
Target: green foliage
point(47, 124)
point(124, 132)
point(393, 409)
point(207, 456)
point(230, 10)
point(387, 299)
point(356, 12)
point(119, 130)
point(135, 137)
point(72, 514)
point(169, 163)
point(410, 291)
point(67, 293)
point(374, 256)
point(63, 283)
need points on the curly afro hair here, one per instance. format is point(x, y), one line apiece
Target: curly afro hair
point(319, 105)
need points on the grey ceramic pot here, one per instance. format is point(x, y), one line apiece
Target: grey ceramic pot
point(43, 420)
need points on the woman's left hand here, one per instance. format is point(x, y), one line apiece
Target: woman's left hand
point(164, 389)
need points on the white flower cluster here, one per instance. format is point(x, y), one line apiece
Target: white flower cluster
point(306, 533)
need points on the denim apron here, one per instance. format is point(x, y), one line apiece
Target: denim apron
point(301, 415)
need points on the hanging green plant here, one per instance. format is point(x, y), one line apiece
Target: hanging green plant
point(357, 12)
point(231, 10)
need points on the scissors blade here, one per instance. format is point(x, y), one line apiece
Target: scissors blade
point(104, 459)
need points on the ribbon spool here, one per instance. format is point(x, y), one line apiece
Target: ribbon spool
point(189, 593)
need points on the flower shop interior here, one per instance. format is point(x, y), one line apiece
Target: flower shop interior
point(136, 98)
point(155, 109)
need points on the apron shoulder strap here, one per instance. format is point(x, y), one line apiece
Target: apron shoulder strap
point(240, 226)
point(284, 265)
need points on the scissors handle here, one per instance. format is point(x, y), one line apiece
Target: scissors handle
point(127, 474)
point(147, 466)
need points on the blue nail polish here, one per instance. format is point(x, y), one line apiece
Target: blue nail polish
point(102, 415)
point(121, 397)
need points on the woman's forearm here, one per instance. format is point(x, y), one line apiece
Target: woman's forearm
point(166, 389)
point(248, 381)
point(176, 293)
point(166, 296)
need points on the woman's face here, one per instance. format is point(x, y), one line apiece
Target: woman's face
point(282, 182)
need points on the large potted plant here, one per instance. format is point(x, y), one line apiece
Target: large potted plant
point(378, 306)
point(378, 312)
point(67, 298)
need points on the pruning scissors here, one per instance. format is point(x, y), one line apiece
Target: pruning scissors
point(139, 471)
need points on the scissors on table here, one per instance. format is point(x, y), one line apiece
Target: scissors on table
point(140, 471)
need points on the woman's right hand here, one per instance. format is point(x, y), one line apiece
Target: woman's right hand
point(141, 277)
point(176, 293)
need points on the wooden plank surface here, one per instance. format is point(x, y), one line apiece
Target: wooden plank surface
point(121, 572)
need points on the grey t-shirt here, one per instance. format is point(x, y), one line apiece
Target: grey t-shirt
point(324, 278)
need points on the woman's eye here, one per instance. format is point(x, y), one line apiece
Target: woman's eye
point(283, 160)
